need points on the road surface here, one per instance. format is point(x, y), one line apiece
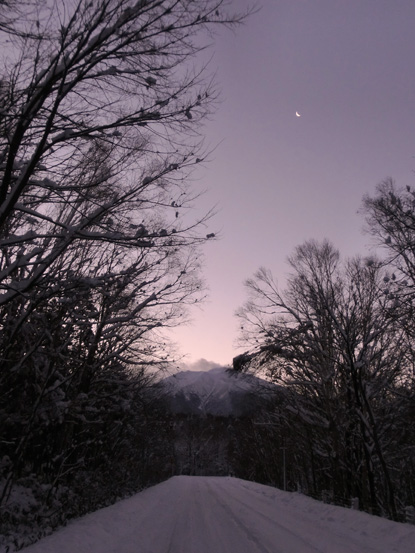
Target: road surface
point(226, 515)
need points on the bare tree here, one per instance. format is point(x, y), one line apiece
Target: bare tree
point(328, 341)
point(105, 79)
point(101, 112)
point(390, 218)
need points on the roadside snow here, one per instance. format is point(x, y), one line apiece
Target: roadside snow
point(226, 515)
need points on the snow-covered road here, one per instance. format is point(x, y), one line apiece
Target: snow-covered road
point(226, 515)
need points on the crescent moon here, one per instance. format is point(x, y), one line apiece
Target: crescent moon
point(297, 114)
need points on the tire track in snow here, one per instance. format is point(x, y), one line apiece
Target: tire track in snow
point(202, 525)
point(179, 526)
point(245, 521)
point(237, 521)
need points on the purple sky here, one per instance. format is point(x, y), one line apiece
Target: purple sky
point(347, 67)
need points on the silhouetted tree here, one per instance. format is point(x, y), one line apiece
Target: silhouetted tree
point(328, 340)
point(100, 120)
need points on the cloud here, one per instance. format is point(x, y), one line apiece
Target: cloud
point(200, 365)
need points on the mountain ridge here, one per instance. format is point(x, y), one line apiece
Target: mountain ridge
point(219, 391)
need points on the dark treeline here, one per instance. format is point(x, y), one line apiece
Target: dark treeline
point(339, 341)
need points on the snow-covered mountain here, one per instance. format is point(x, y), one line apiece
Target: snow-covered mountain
point(216, 392)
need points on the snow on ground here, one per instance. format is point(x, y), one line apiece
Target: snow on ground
point(190, 514)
